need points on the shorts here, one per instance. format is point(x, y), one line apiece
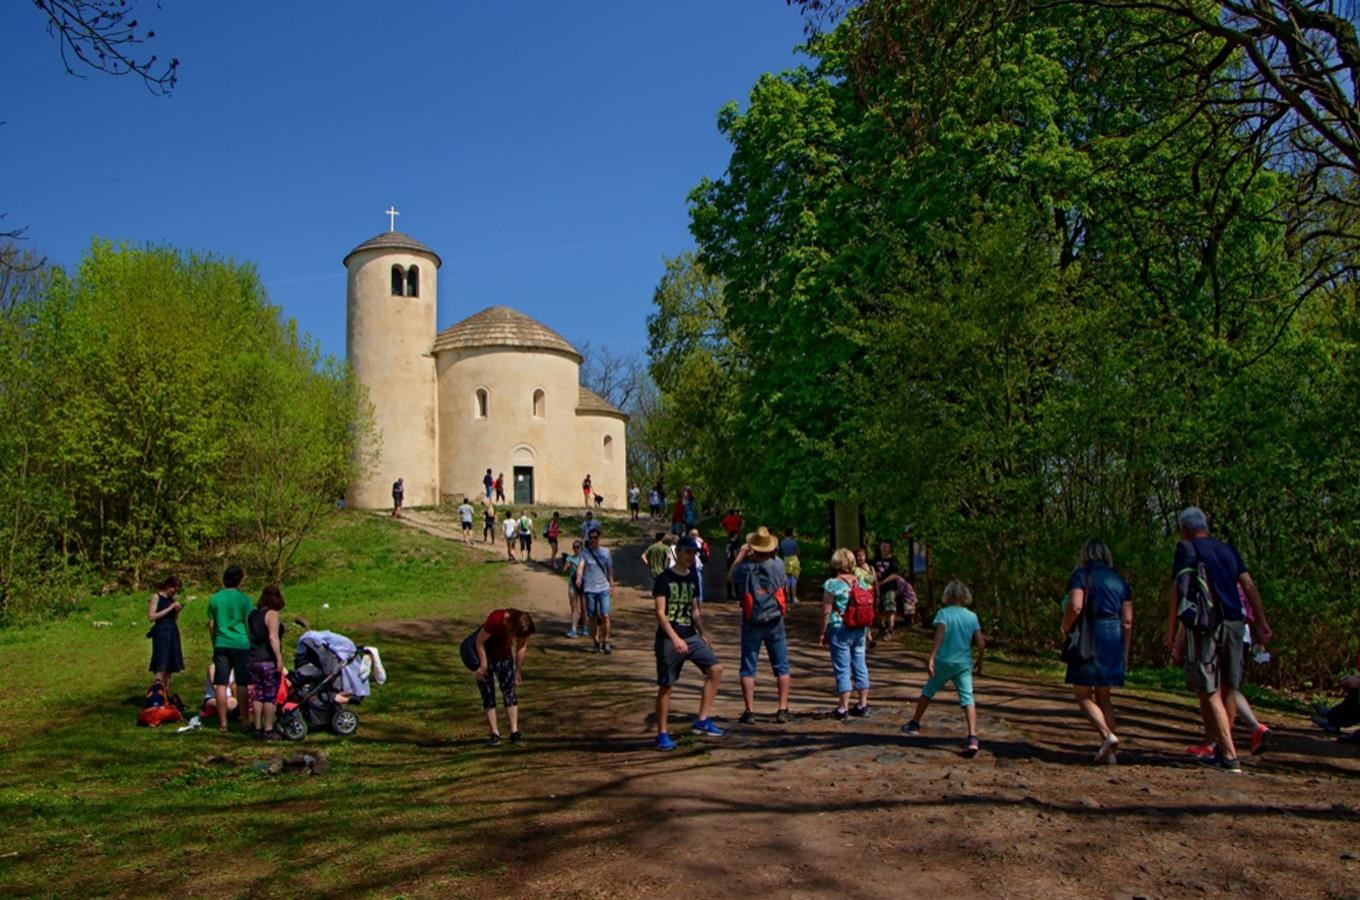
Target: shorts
point(669, 663)
point(264, 681)
point(597, 603)
point(961, 675)
point(633, 506)
point(1213, 660)
point(771, 636)
point(526, 541)
point(467, 524)
point(230, 659)
point(887, 601)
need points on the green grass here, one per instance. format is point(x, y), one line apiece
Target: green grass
point(93, 805)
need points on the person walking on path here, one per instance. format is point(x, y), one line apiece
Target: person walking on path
point(398, 494)
point(510, 528)
point(500, 487)
point(654, 503)
point(570, 562)
point(793, 567)
point(587, 490)
point(731, 526)
point(760, 584)
point(657, 556)
point(634, 500)
point(228, 610)
point(526, 535)
point(488, 522)
point(488, 483)
point(553, 533)
point(678, 518)
point(595, 581)
point(266, 659)
point(1213, 657)
point(495, 654)
point(889, 585)
point(951, 659)
point(846, 641)
point(680, 638)
point(588, 525)
point(1097, 591)
point(465, 514)
point(162, 610)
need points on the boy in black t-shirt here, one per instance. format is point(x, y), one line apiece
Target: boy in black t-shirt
point(680, 637)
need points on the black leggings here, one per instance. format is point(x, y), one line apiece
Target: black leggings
point(502, 670)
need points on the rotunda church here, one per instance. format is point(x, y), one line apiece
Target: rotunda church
point(498, 390)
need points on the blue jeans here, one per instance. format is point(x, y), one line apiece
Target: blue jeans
point(847, 658)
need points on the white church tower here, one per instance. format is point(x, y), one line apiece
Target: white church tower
point(391, 298)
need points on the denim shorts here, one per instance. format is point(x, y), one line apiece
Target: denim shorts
point(597, 603)
point(769, 635)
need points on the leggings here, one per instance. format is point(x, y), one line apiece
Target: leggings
point(502, 670)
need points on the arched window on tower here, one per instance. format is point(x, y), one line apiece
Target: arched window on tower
point(483, 401)
point(538, 403)
point(608, 448)
point(413, 281)
point(398, 281)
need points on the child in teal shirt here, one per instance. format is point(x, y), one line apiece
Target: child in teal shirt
point(951, 659)
point(578, 603)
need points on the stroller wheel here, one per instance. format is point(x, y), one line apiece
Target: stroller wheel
point(344, 722)
point(293, 726)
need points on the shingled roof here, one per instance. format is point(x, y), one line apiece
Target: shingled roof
point(501, 326)
point(394, 240)
point(592, 404)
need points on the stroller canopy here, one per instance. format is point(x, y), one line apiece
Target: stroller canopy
point(332, 651)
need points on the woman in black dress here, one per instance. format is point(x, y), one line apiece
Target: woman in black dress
point(163, 611)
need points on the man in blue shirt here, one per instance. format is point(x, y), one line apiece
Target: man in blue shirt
point(1213, 659)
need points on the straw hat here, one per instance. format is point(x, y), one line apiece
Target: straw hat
point(762, 541)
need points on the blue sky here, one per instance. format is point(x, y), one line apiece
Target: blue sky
point(543, 149)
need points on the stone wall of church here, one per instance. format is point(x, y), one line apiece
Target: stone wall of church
point(388, 344)
point(549, 438)
point(605, 461)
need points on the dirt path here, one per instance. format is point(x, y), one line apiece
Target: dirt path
point(818, 806)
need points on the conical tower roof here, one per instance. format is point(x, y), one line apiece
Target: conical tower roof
point(395, 240)
point(501, 326)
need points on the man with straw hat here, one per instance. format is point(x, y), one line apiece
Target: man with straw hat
point(760, 581)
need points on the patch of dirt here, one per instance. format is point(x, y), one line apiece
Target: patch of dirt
point(817, 806)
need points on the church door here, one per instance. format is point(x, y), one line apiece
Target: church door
point(524, 485)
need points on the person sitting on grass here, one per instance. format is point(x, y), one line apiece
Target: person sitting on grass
point(951, 659)
point(680, 638)
point(495, 654)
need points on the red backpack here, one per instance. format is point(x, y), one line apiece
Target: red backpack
point(859, 611)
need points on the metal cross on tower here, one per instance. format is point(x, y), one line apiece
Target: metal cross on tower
point(392, 216)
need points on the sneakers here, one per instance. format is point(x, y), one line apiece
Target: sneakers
point(597, 647)
point(747, 718)
point(1205, 750)
point(571, 633)
point(706, 727)
point(970, 746)
point(840, 714)
point(782, 716)
point(607, 649)
point(493, 740)
point(1215, 761)
point(664, 743)
point(860, 711)
point(912, 727)
point(1107, 748)
point(1259, 734)
point(1112, 759)
point(516, 737)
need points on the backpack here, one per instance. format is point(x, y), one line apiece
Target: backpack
point(704, 553)
point(859, 611)
point(763, 599)
point(1197, 609)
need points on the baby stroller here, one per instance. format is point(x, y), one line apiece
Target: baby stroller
point(330, 676)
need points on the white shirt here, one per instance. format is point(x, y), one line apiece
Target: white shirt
point(511, 528)
point(465, 513)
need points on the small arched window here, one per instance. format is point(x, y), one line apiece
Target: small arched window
point(608, 448)
point(398, 281)
point(538, 403)
point(483, 401)
point(413, 281)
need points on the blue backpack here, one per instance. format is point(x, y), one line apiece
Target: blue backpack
point(763, 599)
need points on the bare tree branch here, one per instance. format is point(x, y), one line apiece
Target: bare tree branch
point(104, 35)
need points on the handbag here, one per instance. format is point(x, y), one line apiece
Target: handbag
point(1080, 645)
